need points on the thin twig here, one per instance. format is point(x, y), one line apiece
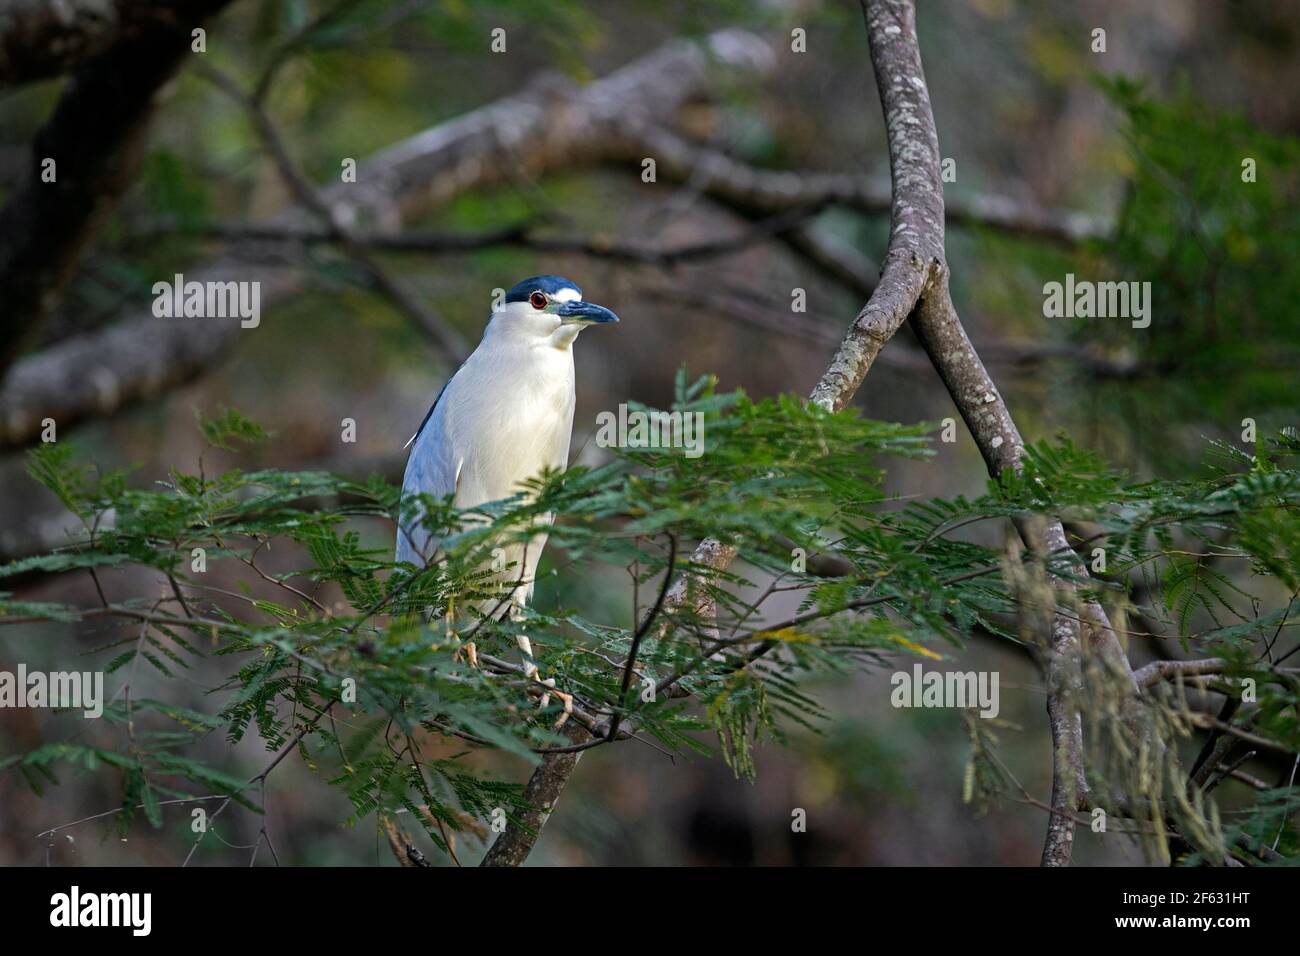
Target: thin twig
point(641, 632)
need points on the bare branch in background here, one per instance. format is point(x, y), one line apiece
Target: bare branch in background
point(523, 235)
point(445, 338)
point(625, 113)
point(751, 189)
point(98, 373)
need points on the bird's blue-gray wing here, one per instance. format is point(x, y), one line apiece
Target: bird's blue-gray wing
point(432, 469)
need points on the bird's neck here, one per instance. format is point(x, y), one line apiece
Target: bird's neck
point(562, 338)
point(508, 329)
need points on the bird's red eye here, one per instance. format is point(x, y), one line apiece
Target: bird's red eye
point(538, 300)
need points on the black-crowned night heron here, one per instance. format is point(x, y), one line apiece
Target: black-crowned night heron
point(502, 418)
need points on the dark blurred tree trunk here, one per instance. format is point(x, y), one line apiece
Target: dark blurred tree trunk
point(40, 39)
point(95, 139)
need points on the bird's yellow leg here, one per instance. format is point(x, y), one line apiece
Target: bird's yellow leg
point(567, 701)
point(526, 646)
point(531, 671)
point(469, 650)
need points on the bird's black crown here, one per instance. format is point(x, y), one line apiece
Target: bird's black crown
point(548, 284)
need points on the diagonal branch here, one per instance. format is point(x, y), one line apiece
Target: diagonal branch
point(906, 270)
point(445, 338)
point(640, 634)
point(916, 224)
point(913, 282)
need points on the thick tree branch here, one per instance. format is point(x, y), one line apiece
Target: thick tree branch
point(986, 415)
point(1158, 671)
point(40, 39)
point(916, 224)
point(541, 793)
point(47, 222)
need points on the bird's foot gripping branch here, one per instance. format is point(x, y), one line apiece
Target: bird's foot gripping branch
point(274, 591)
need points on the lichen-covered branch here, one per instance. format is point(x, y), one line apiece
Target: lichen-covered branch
point(906, 270)
point(916, 225)
point(1157, 671)
point(940, 332)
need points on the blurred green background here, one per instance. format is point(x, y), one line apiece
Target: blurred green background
point(1147, 137)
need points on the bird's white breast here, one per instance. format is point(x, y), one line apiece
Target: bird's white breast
point(508, 415)
point(505, 416)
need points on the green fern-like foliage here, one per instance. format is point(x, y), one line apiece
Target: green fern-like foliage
point(359, 663)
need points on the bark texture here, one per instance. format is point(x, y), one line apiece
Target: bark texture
point(542, 793)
